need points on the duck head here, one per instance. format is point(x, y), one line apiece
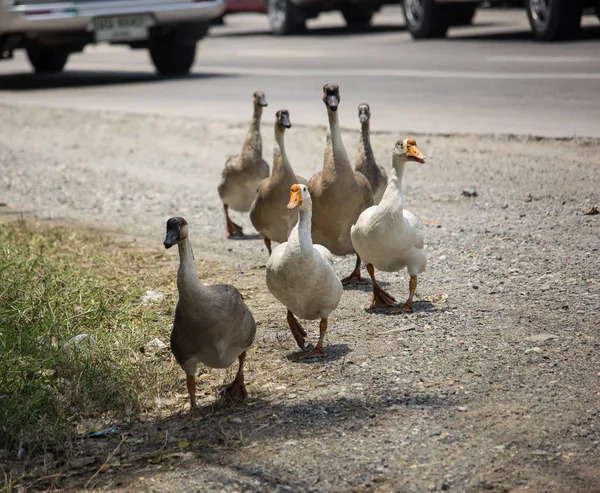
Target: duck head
point(331, 96)
point(282, 119)
point(364, 113)
point(299, 195)
point(408, 150)
point(177, 230)
point(259, 99)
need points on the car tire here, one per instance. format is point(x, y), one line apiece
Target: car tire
point(461, 14)
point(285, 17)
point(357, 17)
point(47, 59)
point(554, 20)
point(425, 19)
point(172, 57)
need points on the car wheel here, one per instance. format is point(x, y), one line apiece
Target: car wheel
point(357, 17)
point(553, 20)
point(171, 57)
point(285, 17)
point(425, 18)
point(461, 14)
point(46, 59)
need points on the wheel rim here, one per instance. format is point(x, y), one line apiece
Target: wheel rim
point(540, 11)
point(414, 11)
point(277, 12)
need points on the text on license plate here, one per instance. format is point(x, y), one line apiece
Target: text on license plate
point(122, 28)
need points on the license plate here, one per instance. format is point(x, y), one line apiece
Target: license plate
point(122, 28)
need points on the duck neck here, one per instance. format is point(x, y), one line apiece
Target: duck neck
point(301, 236)
point(281, 164)
point(392, 198)
point(253, 143)
point(187, 275)
point(341, 164)
point(365, 150)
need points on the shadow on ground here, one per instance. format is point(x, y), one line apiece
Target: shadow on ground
point(587, 33)
point(86, 78)
point(218, 438)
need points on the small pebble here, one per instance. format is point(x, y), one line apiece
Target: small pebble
point(462, 409)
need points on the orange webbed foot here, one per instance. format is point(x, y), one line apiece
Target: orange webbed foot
point(234, 230)
point(382, 298)
point(235, 392)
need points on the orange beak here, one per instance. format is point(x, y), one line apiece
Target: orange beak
point(413, 152)
point(295, 197)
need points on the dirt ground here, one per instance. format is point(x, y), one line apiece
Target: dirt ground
point(492, 384)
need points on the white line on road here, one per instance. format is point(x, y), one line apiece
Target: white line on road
point(539, 59)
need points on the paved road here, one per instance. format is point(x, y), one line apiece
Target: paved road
point(487, 79)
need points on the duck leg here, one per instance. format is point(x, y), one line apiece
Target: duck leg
point(191, 387)
point(318, 351)
point(408, 306)
point(380, 297)
point(236, 390)
point(355, 277)
point(233, 230)
point(268, 244)
point(297, 331)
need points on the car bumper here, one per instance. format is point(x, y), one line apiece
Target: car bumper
point(78, 16)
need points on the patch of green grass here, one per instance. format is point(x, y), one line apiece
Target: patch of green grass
point(56, 283)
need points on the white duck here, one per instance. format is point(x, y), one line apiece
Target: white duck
point(301, 275)
point(212, 323)
point(388, 237)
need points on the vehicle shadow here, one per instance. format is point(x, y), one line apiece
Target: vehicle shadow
point(586, 33)
point(26, 81)
point(316, 32)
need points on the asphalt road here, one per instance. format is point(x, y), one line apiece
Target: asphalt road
point(491, 78)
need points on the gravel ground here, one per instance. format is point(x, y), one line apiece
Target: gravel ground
point(492, 384)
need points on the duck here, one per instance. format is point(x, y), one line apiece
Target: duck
point(243, 172)
point(339, 193)
point(268, 213)
point(300, 275)
point(212, 324)
point(365, 160)
point(388, 237)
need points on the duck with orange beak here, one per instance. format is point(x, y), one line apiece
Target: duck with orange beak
point(388, 237)
point(301, 276)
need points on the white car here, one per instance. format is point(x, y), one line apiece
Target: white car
point(50, 30)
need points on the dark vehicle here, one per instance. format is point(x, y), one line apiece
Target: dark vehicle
point(290, 16)
point(550, 20)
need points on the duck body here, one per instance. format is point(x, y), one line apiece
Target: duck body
point(304, 281)
point(214, 328)
point(389, 237)
point(243, 173)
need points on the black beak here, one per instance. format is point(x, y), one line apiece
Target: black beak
point(284, 121)
point(262, 101)
point(363, 117)
point(171, 238)
point(332, 101)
